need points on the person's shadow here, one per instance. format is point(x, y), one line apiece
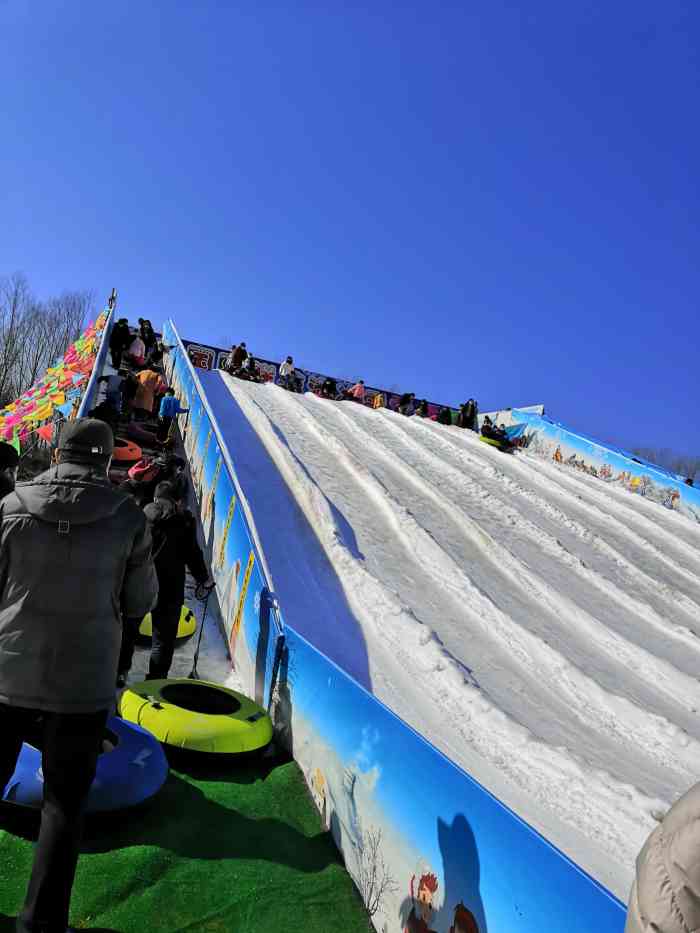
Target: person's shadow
point(281, 708)
point(460, 859)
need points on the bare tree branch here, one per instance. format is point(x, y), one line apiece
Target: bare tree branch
point(34, 334)
point(373, 878)
point(685, 464)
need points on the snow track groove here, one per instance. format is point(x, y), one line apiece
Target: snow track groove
point(538, 631)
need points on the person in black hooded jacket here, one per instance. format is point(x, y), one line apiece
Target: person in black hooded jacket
point(175, 550)
point(119, 340)
point(71, 549)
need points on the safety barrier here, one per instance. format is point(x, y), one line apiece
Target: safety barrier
point(428, 846)
point(571, 449)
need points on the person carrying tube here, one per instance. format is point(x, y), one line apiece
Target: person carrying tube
point(9, 463)
point(72, 548)
point(168, 411)
point(175, 550)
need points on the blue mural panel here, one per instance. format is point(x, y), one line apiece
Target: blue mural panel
point(459, 859)
point(569, 449)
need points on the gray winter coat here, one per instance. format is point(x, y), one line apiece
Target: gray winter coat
point(73, 550)
point(666, 894)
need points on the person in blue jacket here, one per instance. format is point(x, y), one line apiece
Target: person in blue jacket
point(169, 409)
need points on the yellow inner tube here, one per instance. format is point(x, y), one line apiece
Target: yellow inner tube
point(491, 440)
point(197, 715)
point(185, 627)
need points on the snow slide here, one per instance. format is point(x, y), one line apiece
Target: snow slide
point(539, 627)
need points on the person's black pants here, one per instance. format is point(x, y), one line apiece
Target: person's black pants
point(164, 424)
point(165, 617)
point(130, 633)
point(70, 744)
point(116, 354)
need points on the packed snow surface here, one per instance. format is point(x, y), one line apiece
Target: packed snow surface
point(536, 625)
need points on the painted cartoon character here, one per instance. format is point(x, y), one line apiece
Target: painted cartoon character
point(422, 909)
point(464, 920)
point(672, 498)
point(318, 792)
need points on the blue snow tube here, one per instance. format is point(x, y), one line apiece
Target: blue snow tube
point(132, 771)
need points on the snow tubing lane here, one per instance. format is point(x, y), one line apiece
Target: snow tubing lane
point(197, 715)
point(126, 450)
point(131, 773)
point(186, 627)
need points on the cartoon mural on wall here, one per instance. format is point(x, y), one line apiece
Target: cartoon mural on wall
point(423, 891)
point(201, 357)
point(571, 451)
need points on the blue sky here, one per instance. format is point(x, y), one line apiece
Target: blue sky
point(490, 199)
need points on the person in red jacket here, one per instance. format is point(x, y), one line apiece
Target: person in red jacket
point(356, 393)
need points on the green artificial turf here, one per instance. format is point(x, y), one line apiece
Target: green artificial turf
point(225, 847)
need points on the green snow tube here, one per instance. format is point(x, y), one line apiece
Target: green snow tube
point(197, 715)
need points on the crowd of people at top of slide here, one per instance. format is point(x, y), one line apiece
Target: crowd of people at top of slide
point(243, 365)
point(80, 528)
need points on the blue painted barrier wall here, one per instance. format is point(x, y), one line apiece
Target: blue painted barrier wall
point(455, 859)
point(572, 450)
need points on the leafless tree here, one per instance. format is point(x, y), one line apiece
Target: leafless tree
point(373, 878)
point(33, 333)
point(15, 302)
point(685, 464)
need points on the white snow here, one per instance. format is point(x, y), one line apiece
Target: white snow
point(538, 626)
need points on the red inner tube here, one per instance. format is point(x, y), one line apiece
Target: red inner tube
point(126, 450)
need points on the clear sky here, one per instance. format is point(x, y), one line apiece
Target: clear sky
point(495, 199)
